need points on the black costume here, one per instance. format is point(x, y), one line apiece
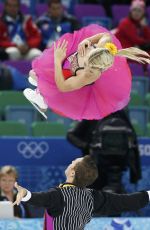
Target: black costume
point(72, 207)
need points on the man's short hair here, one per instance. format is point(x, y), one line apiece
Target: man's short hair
point(8, 170)
point(86, 172)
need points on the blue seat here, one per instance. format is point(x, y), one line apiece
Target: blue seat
point(138, 129)
point(137, 69)
point(85, 10)
point(136, 99)
point(139, 114)
point(102, 21)
point(24, 114)
point(23, 66)
point(148, 13)
point(141, 84)
point(53, 117)
point(0, 115)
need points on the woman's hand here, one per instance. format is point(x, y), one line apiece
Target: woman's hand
point(105, 38)
point(60, 50)
point(82, 46)
point(22, 192)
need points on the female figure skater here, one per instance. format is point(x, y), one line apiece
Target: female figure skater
point(83, 75)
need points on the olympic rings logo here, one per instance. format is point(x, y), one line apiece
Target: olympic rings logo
point(33, 149)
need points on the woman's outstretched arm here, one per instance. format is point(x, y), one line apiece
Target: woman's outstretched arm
point(101, 37)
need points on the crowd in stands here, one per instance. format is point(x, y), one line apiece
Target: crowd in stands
point(19, 37)
point(134, 29)
point(24, 37)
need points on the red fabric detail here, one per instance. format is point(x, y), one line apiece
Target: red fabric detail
point(67, 73)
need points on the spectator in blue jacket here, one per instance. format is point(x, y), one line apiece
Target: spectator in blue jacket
point(55, 22)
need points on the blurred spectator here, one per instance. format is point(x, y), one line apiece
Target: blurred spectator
point(12, 79)
point(19, 36)
point(55, 23)
point(113, 143)
point(8, 176)
point(134, 29)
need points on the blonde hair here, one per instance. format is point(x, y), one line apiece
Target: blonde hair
point(7, 170)
point(102, 58)
point(135, 54)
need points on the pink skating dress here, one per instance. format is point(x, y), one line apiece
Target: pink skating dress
point(111, 92)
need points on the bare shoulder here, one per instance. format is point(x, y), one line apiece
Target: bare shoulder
point(92, 73)
point(88, 73)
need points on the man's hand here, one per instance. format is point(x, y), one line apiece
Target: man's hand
point(22, 192)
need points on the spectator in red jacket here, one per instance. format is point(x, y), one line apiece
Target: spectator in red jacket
point(19, 36)
point(134, 29)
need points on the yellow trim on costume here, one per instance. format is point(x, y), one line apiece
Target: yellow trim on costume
point(111, 47)
point(66, 185)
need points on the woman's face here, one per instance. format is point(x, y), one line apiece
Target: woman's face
point(137, 13)
point(7, 183)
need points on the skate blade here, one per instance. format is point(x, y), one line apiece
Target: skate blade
point(36, 106)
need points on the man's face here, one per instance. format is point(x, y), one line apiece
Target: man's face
point(7, 183)
point(12, 8)
point(55, 10)
point(71, 167)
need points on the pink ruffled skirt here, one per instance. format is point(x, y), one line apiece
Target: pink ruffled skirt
point(111, 92)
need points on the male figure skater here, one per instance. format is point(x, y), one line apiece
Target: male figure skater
point(71, 205)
